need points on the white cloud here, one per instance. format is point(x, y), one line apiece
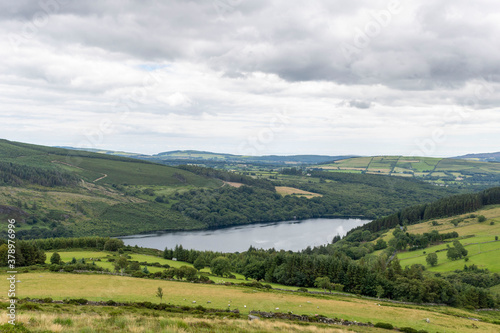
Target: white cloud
point(176, 74)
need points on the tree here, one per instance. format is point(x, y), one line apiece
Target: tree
point(189, 273)
point(220, 266)
point(460, 248)
point(55, 258)
point(134, 266)
point(121, 264)
point(159, 293)
point(323, 283)
point(199, 263)
point(113, 244)
point(453, 254)
point(432, 259)
point(145, 270)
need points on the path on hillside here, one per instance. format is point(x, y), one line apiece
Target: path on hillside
point(104, 176)
point(74, 166)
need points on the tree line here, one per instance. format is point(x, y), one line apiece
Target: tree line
point(373, 276)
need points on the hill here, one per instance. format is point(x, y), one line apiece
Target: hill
point(177, 157)
point(486, 157)
point(439, 171)
point(59, 192)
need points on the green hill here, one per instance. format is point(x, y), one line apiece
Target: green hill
point(58, 192)
point(440, 171)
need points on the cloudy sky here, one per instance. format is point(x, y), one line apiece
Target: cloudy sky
point(253, 76)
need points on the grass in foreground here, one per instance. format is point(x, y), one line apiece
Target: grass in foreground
point(97, 287)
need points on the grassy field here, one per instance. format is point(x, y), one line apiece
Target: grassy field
point(90, 319)
point(477, 238)
point(99, 287)
point(435, 170)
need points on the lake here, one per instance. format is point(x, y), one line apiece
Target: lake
point(288, 235)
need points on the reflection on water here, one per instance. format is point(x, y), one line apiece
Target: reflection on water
point(288, 235)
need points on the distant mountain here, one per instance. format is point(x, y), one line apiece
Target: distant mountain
point(177, 157)
point(486, 157)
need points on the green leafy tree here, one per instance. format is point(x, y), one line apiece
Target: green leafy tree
point(113, 244)
point(220, 266)
point(432, 259)
point(159, 293)
point(460, 248)
point(199, 263)
point(189, 273)
point(453, 253)
point(55, 258)
point(121, 264)
point(323, 283)
point(145, 270)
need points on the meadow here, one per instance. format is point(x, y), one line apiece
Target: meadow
point(478, 238)
point(104, 287)
point(436, 170)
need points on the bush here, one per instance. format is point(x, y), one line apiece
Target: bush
point(386, 326)
point(55, 259)
point(411, 330)
point(304, 290)
point(481, 218)
point(492, 223)
point(138, 274)
point(77, 301)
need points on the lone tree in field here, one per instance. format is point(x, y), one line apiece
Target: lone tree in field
point(55, 258)
point(159, 293)
point(432, 259)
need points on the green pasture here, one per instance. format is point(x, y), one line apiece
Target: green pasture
point(105, 287)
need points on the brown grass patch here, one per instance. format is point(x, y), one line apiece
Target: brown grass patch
point(285, 190)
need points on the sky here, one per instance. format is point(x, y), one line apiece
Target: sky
point(253, 77)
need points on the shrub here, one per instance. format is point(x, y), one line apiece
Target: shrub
point(481, 218)
point(138, 274)
point(77, 301)
point(386, 326)
point(492, 223)
point(304, 290)
point(29, 306)
point(64, 322)
point(55, 259)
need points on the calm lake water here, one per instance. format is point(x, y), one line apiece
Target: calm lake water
point(288, 235)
